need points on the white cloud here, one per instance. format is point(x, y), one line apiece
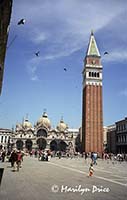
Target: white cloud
point(65, 21)
point(38, 37)
point(34, 78)
point(124, 92)
point(32, 66)
point(61, 27)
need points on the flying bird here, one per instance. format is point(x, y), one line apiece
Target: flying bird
point(22, 21)
point(65, 69)
point(37, 53)
point(105, 53)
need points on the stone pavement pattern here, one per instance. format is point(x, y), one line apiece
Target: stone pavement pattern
point(36, 179)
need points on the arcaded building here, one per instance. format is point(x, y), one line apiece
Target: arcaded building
point(5, 135)
point(111, 138)
point(117, 137)
point(121, 136)
point(92, 111)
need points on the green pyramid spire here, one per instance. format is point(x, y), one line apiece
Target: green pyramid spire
point(92, 47)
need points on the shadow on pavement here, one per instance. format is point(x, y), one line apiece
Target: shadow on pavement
point(1, 174)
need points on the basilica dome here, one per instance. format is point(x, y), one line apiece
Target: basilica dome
point(44, 121)
point(61, 126)
point(18, 126)
point(27, 124)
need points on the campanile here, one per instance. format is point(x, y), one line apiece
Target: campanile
point(92, 111)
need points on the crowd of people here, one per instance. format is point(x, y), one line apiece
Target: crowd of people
point(15, 157)
point(46, 155)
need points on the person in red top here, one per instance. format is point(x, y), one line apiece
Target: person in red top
point(19, 159)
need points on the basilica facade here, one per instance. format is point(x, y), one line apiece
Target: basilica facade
point(42, 136)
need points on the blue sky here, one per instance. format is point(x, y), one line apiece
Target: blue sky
point(60, 30)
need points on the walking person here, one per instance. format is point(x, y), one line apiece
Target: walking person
point(3, 155)
point(94, 158)
point(13, 159)
point(19, 159)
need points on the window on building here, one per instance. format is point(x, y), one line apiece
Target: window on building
point(2, 139)
point(120, 139)
point(98, 74)
point(89, 74)
point(8, 139)
point(123, 138)
point(5, 139)
point(126, 126)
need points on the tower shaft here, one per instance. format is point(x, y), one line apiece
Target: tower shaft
point(92, 108)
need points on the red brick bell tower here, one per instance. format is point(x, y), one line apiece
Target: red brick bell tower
point(92, 112)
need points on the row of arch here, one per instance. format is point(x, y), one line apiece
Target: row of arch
point(122, 139)
point(55, 145)
point(94, 74)
point(40, 133)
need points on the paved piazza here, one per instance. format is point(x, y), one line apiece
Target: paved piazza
point(64, 179)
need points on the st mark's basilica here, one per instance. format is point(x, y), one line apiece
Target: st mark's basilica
point(41, 136)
